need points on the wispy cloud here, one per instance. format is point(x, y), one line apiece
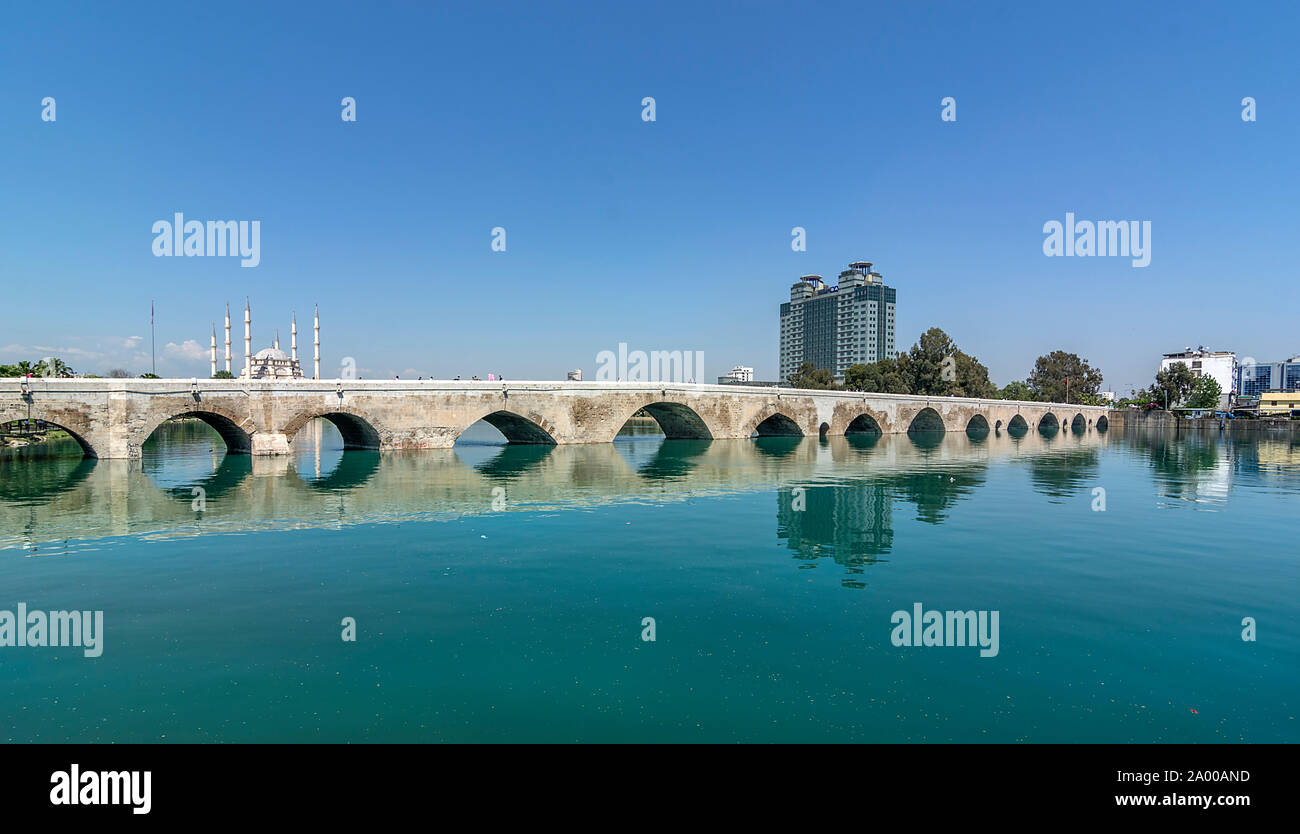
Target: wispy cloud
point(189, 349)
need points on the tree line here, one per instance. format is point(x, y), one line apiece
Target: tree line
point(58, 368)
point(43, 367)
point(935, 366)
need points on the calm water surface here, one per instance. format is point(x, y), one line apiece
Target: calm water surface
point(222, 616)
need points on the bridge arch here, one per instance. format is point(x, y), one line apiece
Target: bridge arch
point(864, 423)
point(236, 430)
point(1102, 423)
point(926, 420)
point(1018, 425)
point(978, 424)
point(520, 429)
point(1049, 424)
point(357, 432)
point(517, 428)
point(1079, 423)
point(777, 424)
point(78, 434)
point(678, 421)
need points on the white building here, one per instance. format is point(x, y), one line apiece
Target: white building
point(737, 374)
point(1221, 365)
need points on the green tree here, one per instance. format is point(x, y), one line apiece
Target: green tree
point(1017, 390)
point(53, 366)
point(1061, 377)
point(810, 377)
point(883, 377)
point(1206, 393)
point(972, 377)
point(1173, 385)
point(22, 368)
point(223, 375)
point(150, 376)
point(936, 366)
point(925, 364)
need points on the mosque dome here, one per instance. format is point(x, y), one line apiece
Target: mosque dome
point(271, 353)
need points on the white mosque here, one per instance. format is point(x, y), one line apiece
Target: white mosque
point(269, 363)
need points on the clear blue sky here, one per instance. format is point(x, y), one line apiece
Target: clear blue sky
point(666, 235)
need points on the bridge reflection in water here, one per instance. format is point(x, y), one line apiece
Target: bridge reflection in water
point(185, 483)
point(836, 498)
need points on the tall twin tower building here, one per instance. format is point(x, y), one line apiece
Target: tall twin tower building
point(835, 327)
point(269, 363)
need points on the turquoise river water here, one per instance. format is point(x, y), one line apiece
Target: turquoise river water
point(502, 593)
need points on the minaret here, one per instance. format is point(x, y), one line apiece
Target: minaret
point(293, 337)
point(248, 341)
point(214, 348)
point(316, 328)
point(277, 339)
point(227, 337)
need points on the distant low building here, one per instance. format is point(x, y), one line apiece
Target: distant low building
point(1106, 396)
point(575, 375)
point(1279, 403)
point(753, 383)
point(737, 374)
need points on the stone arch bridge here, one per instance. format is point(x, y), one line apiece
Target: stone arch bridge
point(112, 418)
